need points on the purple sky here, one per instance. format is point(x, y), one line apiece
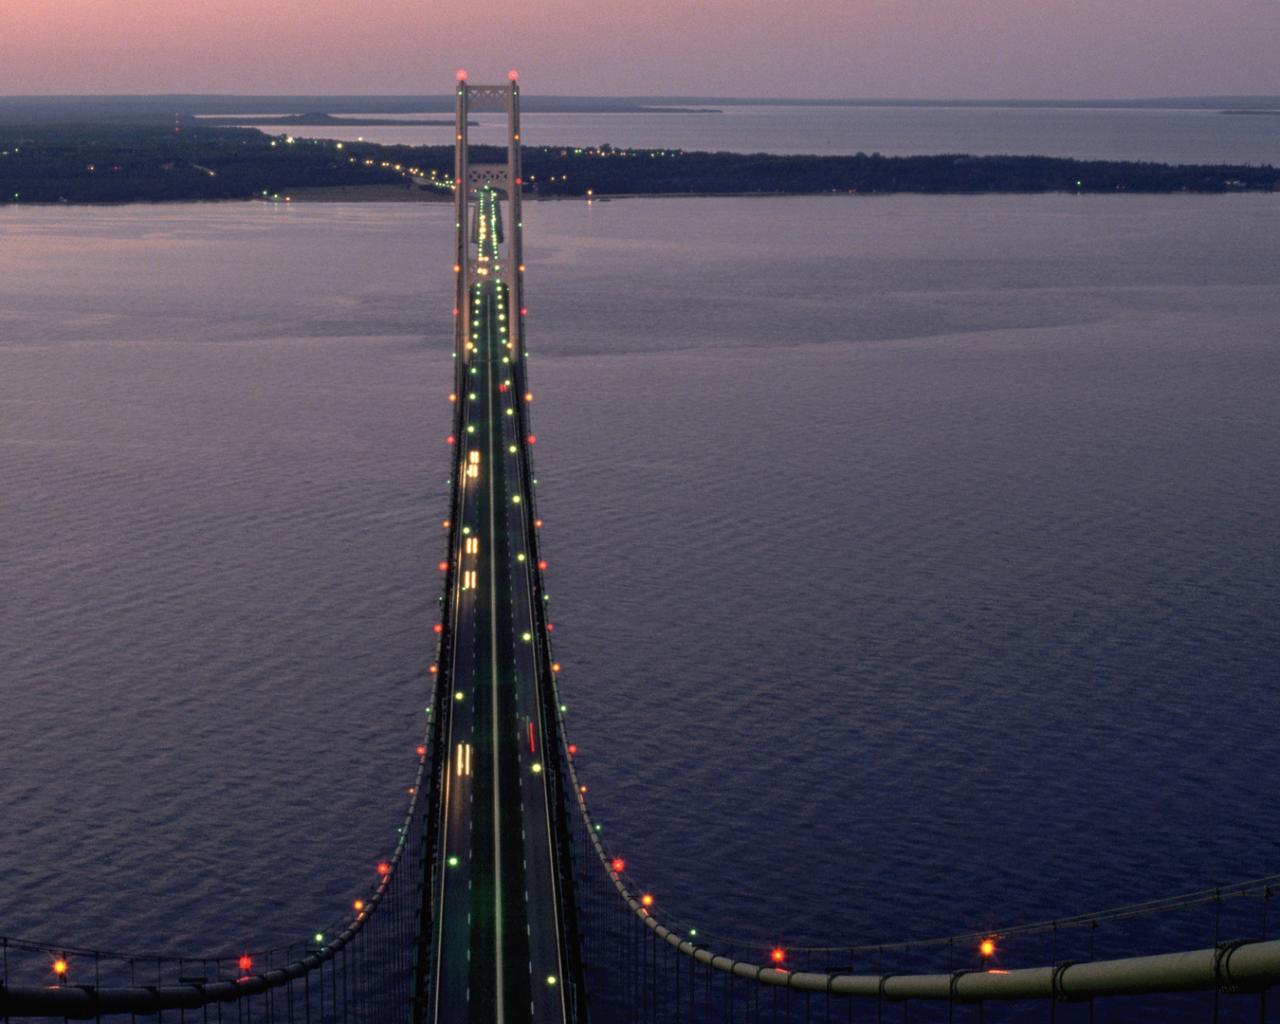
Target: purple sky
point(873, 48)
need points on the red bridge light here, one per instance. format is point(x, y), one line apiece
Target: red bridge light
point(422, 751)
point(438, 628)
point(533, 439)
point(444, 566)
point(462, 74)
point(618, 864)
point(245, 962)
point(777, 954)
point(573, 749)
point(384, 869)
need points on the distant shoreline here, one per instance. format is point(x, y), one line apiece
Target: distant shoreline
point(107, 163)
point(36, 109)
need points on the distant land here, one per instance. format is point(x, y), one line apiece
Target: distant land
point(67, 109)
point(115, 163)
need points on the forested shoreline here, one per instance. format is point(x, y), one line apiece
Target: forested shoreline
point(114, 163)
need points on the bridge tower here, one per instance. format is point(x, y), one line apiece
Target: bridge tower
point(497, 924)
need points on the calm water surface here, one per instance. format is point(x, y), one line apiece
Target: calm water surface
point(914, 560)
point(1165, 136)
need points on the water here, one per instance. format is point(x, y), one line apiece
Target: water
point(913, 559)
point(1165, 136)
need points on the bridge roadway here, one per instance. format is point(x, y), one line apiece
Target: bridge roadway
point(498, 938)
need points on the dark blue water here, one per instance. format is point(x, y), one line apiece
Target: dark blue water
point(913, 560)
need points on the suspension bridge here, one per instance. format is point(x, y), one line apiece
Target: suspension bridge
point(501, 901)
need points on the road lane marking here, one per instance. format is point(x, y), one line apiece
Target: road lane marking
point(493, 716)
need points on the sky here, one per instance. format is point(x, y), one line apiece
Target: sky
point(945, 49)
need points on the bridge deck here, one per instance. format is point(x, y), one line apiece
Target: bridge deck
point(498, 931)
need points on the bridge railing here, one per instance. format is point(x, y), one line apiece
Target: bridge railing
point(431, 779)
point(563, 809)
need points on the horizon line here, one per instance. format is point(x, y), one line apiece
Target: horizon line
point(683, 97)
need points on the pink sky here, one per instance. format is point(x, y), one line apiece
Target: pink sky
point(869, 48)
